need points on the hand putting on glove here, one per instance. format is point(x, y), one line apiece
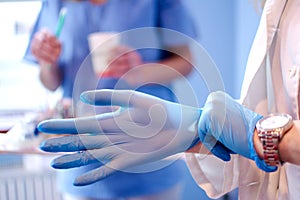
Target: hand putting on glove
point(146, 129)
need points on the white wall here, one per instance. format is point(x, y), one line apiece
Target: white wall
point(247, 20)
point(226, 30)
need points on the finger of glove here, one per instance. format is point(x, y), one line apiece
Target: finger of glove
point(78, 159)
point(73, 160)
point(124, 98)
point(118, 164)
point(96, 124)
point(80, 143)
point(93, 176)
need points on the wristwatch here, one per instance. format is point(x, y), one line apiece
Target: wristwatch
point(270, 131)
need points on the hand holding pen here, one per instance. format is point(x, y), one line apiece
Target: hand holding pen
point(45, 45)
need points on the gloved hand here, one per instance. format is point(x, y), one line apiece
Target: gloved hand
point(145, 129)
point(226, 127)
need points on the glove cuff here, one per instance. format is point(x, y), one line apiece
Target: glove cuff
point(194, 128)
point(260, 163)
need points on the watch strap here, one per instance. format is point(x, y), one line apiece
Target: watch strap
point(270, 141)
point(260, 163)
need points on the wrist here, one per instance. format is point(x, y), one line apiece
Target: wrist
point(47, 66)
point(196, 145)
point(289, 145)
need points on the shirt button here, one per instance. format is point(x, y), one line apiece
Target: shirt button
point(292, 71)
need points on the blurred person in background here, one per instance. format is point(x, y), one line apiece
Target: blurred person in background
point(60, 58)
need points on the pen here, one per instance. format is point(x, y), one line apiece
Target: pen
point(59, 25)
point(61, 21)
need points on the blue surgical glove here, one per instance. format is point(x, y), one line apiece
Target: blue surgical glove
point(226, 127)
point(143, 131)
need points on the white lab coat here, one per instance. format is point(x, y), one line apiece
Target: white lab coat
point(217, 177)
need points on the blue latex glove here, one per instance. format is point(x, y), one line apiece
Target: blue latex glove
point(144, 130)
point(225, 126)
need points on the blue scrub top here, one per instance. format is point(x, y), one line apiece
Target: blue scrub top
point(116, 15)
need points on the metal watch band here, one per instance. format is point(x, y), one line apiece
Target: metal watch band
point(270, 142)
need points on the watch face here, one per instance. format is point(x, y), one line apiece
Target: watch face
point(275, 121)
